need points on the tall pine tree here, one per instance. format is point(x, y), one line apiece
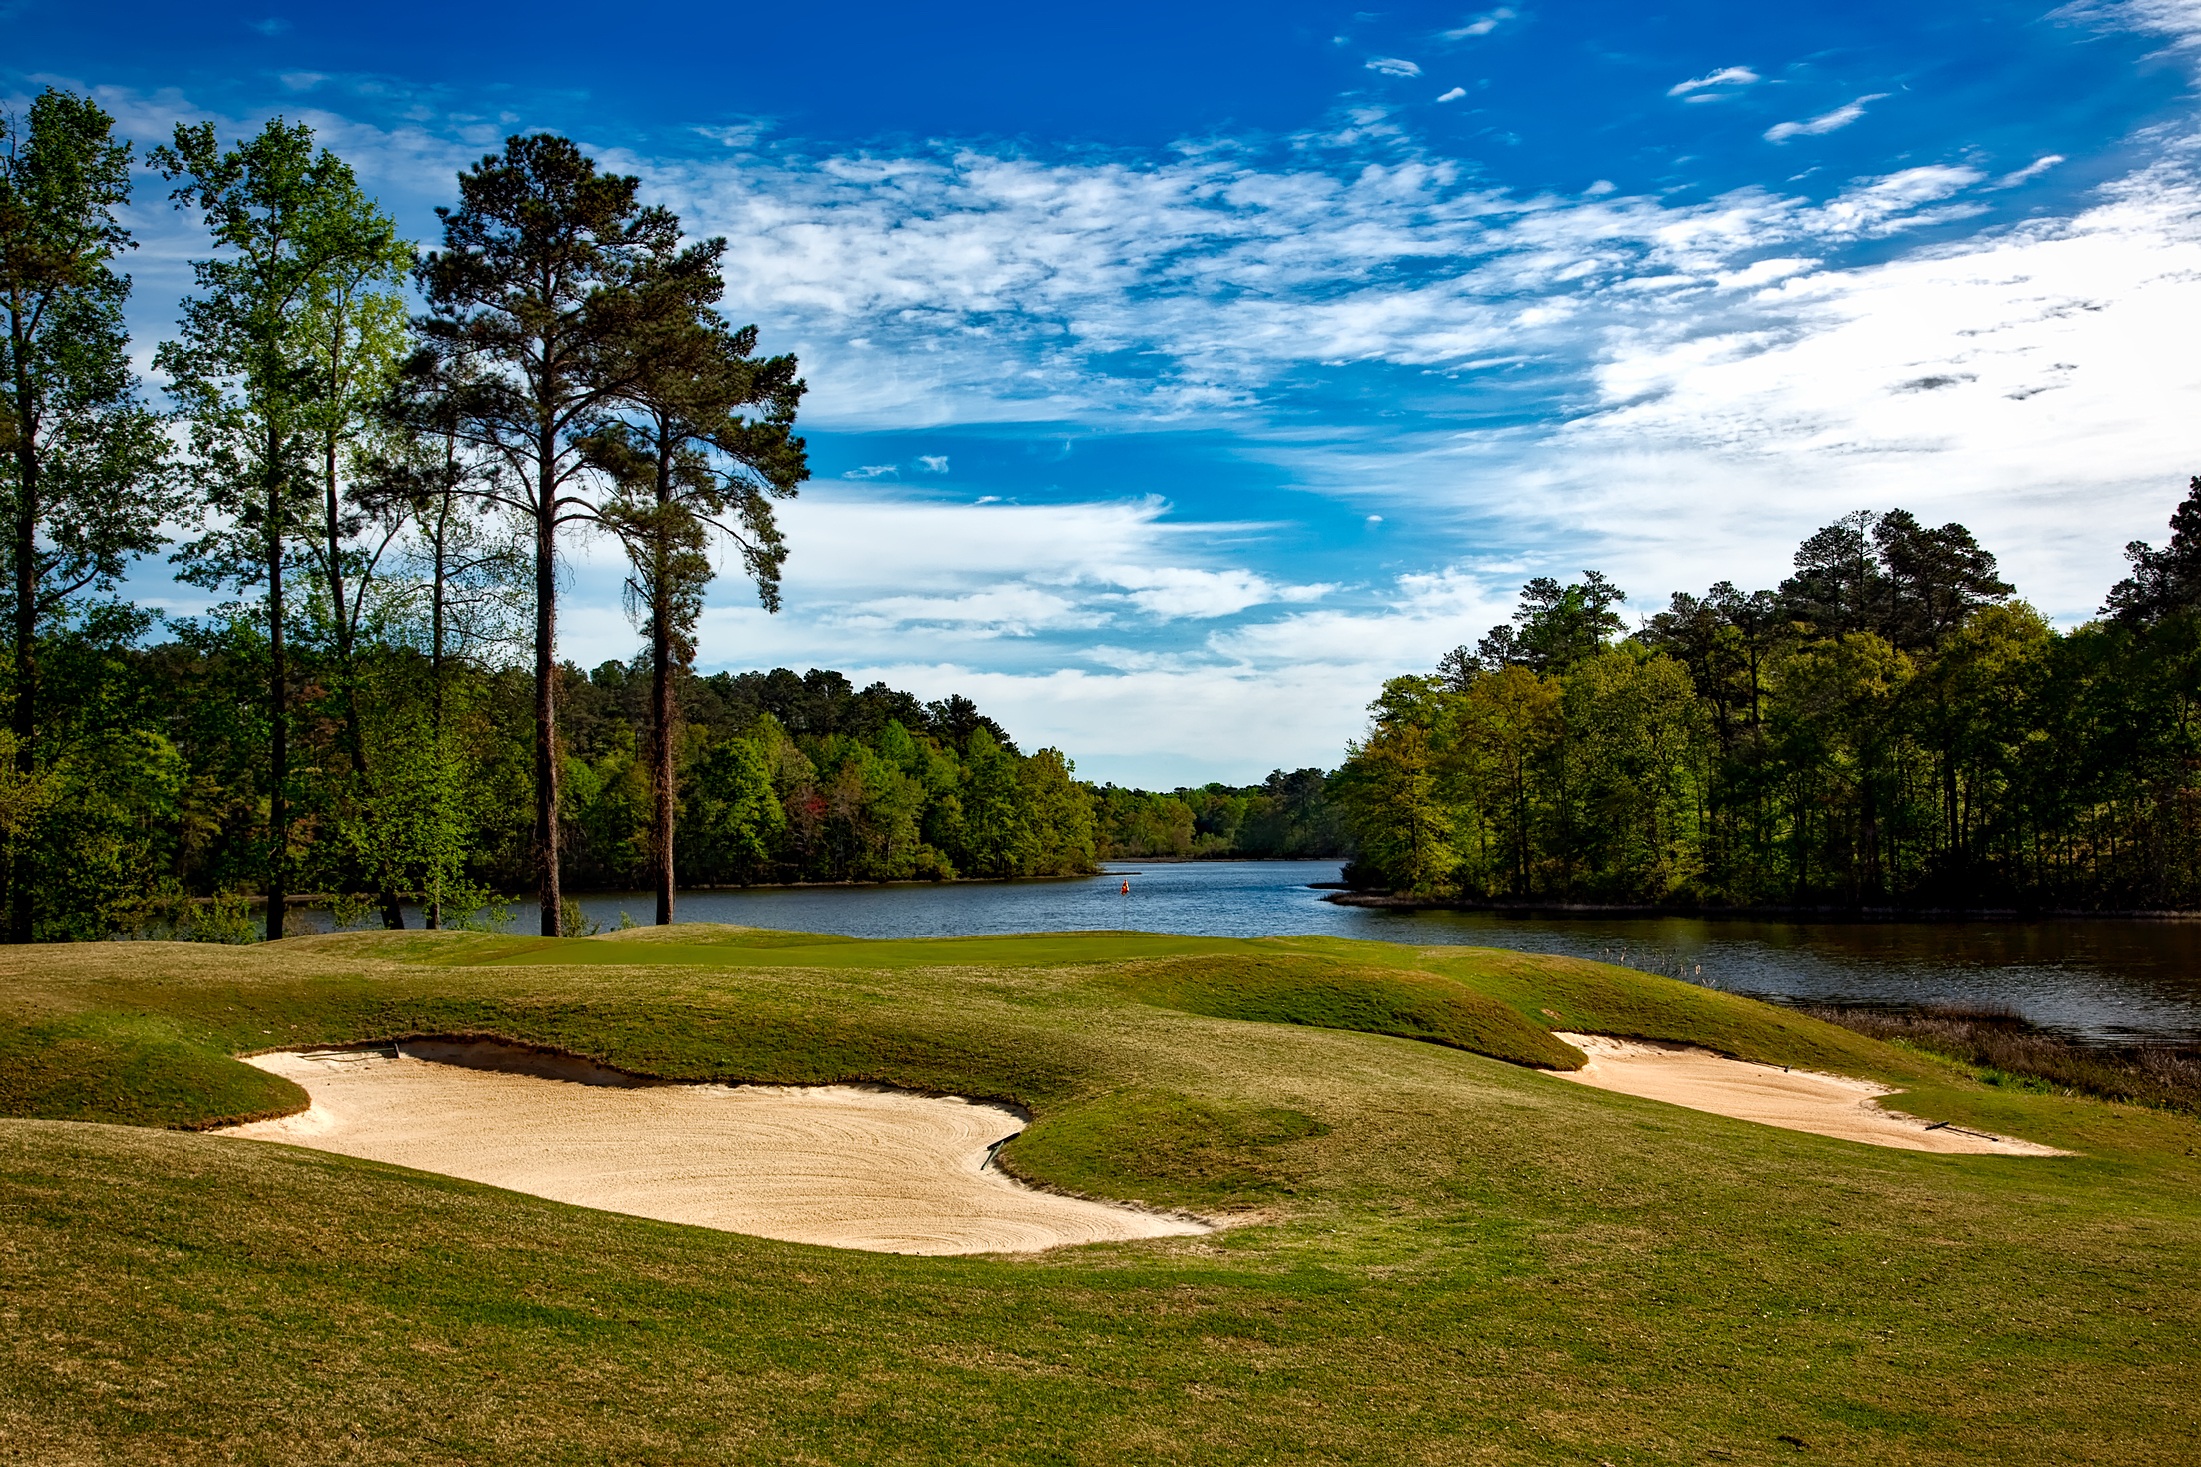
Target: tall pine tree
point(530, 300)
point(688, 461)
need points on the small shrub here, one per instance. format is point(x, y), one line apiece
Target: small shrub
point(225, 917)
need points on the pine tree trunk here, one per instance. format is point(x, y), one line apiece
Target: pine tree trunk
point(546, 691)
point(435, 689)
point(661, 683)
point(25, 710)
point(278, 710)
point(661, 706)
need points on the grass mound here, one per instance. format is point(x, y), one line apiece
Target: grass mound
point(1325, 994)
point(1179, 1150)
point(133, 1070)
point(1593, 998)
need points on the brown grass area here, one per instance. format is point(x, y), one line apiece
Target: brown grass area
point(2004, 1043)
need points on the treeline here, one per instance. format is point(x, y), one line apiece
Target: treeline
point(787, 779)
point(1886, 728)
point(377, 455)
point(161, 797)
point(1287, 815)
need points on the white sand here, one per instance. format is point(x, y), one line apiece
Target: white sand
point(840, 1165)
point(1797, 1100)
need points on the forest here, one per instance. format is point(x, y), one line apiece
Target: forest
point(1288, 815)
point(375, 458)
point(1889, 728)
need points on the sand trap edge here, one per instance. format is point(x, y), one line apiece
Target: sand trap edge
point(1845, 1109)
point(495, 1055)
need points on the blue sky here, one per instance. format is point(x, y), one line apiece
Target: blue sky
point(1179, 372)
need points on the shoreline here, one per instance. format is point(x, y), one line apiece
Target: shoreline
point(1386, 901)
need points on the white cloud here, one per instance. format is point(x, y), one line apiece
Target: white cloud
point(1393, 66)
point(1454, 95)
point(1481, 25)
point(1726, 76)
point(872, 471)
point(1173, 592)
point(933, 463)
point(2178, 19)
point(1825, 122)
point(1763, 272)
point(1002, 611)
point(2030, 171)
point(302, 81)
point(2035, 386)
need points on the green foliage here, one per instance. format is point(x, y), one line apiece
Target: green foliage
point(1290, 814)
point(730, 819)
point(1883, 731)
point(225, 917)
point(1403, 824)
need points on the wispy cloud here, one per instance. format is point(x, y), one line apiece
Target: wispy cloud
point(2029, 172)
point(2180, 20)
point(1481, 25)
point(1173, 592)
point(274, 25)
point(1454, 95)
point(1393, 66)
point(933, 463)
point(1825, 122)
point(1726, 76)
point(873, 471)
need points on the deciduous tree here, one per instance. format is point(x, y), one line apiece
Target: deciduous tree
point(82, 469)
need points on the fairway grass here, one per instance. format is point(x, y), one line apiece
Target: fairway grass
point(1437, 1254)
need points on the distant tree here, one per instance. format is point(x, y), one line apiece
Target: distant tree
point(2162, 581)
point(955, 719)
point(1935, 578)
point(1723, 638)
point(82, 474)
point(997, 837)
point(686, 462)
point(243, 370)
point(1838, 581)
point(1553, 628)
point(1390, 788)
point(531, 301)
point(1887, 574)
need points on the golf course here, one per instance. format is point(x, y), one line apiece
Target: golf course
point(1404, 1236)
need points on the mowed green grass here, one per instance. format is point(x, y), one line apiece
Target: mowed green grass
point(1442, 1253)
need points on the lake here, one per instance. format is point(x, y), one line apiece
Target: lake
point(2107, 980)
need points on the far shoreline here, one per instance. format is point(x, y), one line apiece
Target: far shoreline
point(1387, 901)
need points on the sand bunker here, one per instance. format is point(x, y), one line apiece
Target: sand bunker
point(841, 1165)
point(1797, 1100)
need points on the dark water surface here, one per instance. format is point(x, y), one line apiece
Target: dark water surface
point(2107, 980)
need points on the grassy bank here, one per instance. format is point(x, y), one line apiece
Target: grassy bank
point(1445, 1255)
point(2008, 1050)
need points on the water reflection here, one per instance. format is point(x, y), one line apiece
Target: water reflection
point(2108, 980)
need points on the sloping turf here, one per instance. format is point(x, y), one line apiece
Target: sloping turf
point(1450, 1256)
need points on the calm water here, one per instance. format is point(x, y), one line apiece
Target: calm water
point(2106, 980)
